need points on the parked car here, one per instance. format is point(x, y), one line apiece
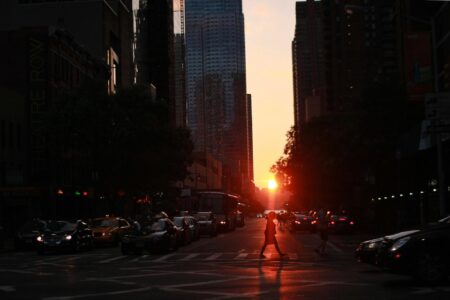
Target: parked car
point(162, 236)
point(240, 219)
point(207, 223)
point(195, 227)
point(341, 224)
point(301, 222)
point(187, 233)
point(65, 236)
point(109, 230)
point(25, 237)
point(367, 251)
point(423, 252)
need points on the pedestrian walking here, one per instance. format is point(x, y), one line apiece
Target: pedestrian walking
point(270, 233)
point(322, 226)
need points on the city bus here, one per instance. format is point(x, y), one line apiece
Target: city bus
point(223, 205)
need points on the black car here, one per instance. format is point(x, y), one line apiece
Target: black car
point(367, 251)
point(63, 236)
point(161, 236)
point(25, 238)
point(341, 224)
point(207, 223)
point(423, 253)
point(301, 222)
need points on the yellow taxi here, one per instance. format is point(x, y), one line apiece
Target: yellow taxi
point(109, 230)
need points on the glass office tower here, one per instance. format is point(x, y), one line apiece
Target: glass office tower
point(215, 80)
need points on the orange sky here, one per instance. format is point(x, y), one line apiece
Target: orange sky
point(269, 30)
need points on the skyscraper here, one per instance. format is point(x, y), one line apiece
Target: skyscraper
point(308, 62)
point(216, 83)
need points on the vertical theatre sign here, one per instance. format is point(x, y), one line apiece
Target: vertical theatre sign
point(37, 101)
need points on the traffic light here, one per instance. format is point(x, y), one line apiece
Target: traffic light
point(85, 193)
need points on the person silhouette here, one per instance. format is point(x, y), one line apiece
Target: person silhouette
point(270, 233)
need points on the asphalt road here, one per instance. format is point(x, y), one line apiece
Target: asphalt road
point(224, 267)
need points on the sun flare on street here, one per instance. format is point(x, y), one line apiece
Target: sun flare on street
point(272, 184)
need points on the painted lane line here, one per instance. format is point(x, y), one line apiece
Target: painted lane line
point(213, 257)
point(241, 256)
point(190, 256)
point(105, 261)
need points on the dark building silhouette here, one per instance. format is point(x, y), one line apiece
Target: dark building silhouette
point(40, 63)
point(155, 48)
point(104, 28)
point(308, 55)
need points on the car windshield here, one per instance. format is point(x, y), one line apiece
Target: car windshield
point(61, 226)
point(104, 223)
point(159, 225)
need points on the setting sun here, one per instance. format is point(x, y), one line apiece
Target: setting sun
point(272, 184)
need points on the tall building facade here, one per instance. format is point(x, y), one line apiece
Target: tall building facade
point(216, 84)
point(308, 62)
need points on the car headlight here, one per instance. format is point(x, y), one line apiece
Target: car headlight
point(39, 239)
point(68, 237)
point(398, 244)
point(372, 245)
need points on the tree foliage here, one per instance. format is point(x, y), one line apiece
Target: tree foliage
point(332, 156)
point(122, 141)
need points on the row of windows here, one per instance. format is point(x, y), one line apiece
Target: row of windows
point(10, 135)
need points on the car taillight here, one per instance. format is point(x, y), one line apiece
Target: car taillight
point(313, 222)
point(342, 219)
point(352, 223)
point(297, 222)
point(332, 222)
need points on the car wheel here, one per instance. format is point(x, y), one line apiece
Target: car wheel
point(430, 268)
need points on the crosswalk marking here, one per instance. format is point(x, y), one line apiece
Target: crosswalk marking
point(241, 256)
point(139, 258)
point(163, 258)
point(105, 261)
point(214, 256)
point(190, 256)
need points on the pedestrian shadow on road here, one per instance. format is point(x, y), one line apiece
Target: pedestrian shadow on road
point(270, 279)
